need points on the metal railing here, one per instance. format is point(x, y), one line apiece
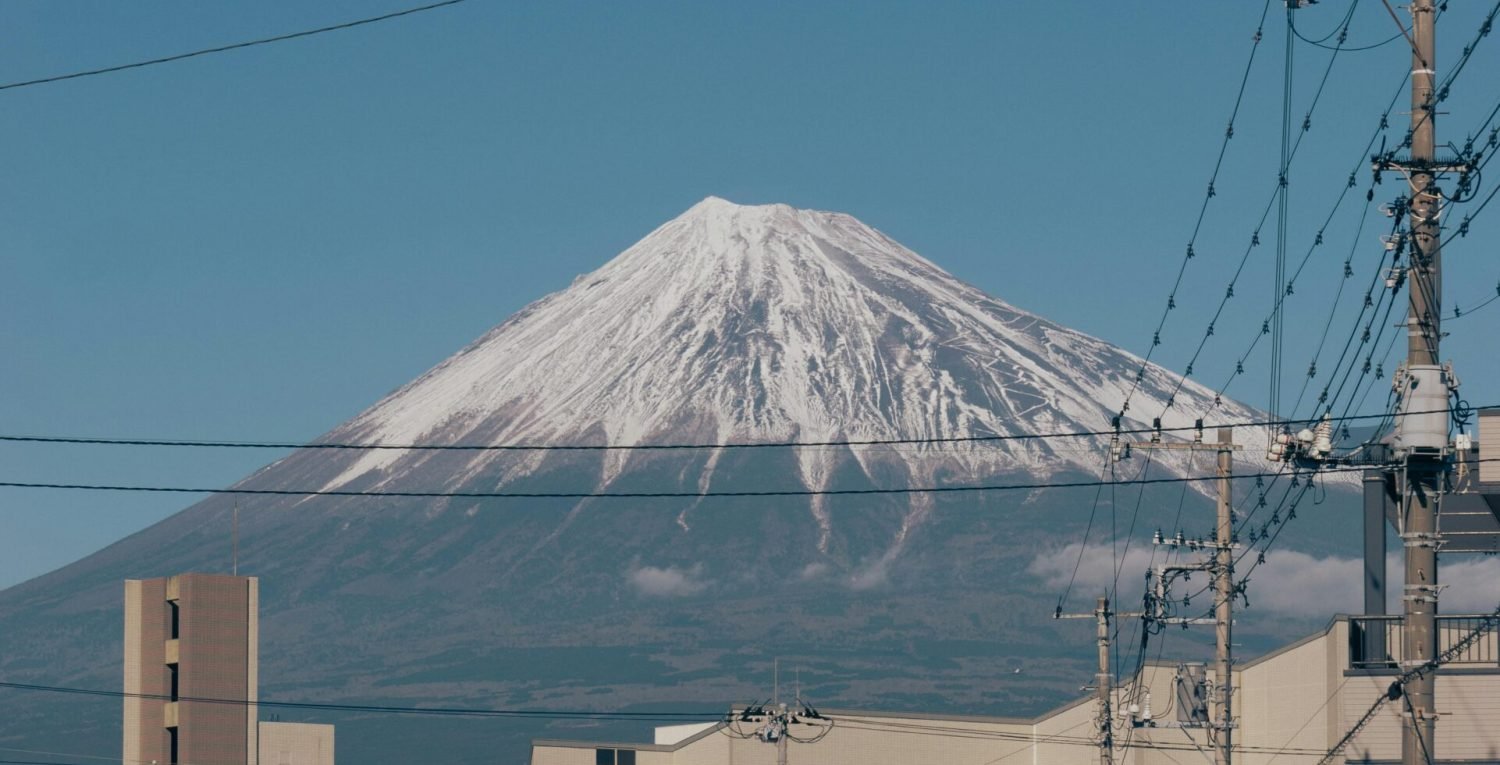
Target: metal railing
point(1375, 641)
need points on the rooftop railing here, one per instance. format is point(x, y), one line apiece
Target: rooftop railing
point(1375, 642)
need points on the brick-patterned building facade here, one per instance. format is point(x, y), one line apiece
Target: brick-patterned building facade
point(191, 636)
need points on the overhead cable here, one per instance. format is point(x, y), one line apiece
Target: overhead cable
point(349, 446)
point(1209, 194)
point(238, 490)
point(545, 714)
point(225, 48)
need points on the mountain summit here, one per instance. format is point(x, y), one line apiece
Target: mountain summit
point(736, 323)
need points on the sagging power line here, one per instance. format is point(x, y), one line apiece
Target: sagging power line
point(1155, 429)
point(225, 48)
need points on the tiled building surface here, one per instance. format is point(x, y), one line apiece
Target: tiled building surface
point(191, 666)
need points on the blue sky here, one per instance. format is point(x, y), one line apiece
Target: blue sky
point(259, 244)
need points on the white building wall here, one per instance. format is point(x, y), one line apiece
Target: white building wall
point(282, 743)
point(583, 753)
point(876, 739)
point(1288, 700)
point(1302, 698)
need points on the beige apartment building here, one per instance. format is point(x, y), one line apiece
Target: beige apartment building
point(192, 643)
point(1292, 705)
point(191, 636)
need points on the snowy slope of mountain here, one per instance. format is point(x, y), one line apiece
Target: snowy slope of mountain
point(766, 323)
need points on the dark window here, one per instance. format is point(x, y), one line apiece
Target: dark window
point(176, 621)
point(625, 757)
point(172, 745)
point(604, 757)
point(172, 670)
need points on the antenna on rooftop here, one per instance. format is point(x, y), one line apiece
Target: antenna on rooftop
point(779, 723)
point(234, 543)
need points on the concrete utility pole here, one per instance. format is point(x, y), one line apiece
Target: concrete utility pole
point(1222, 569)
point(1423, 437)
point(1103, 683)
point(1104, 678)
point(1224, 597)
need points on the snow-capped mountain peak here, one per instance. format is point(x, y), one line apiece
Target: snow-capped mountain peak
point(736, 323)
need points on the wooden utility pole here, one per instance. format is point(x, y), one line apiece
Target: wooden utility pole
point(1222, 569)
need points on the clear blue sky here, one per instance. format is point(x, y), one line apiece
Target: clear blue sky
point(259, 244)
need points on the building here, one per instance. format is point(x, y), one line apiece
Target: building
point(191, 636)
point(1292, 706)
point(283, 743)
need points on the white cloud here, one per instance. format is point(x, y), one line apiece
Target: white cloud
point(1289, 582)
point(669, 582)
point(1096, 569)
point(813, 571)
point(1473, 584)
point(874, 573)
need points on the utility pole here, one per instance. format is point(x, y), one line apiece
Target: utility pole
point(1104, 678)
point(1221, 567)
point(1102, 683)
point(1424, 437)
point(1423, 385)
point(1224, 596)
point(774, 724)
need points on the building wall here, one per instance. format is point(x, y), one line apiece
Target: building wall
point(892, 739)
point(1289, 699)
point(1467, 728)
point(216, 656)
point(1303, 698)
point(712, 748)
point(583, 753)
point(217, 631)
point(144, 730)
point(296, 744)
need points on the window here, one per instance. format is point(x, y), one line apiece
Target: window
point(176, 618)
point(172, 682)
point(614, 757)
point(172, 745)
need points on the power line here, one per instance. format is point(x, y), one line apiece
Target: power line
point(225, 48)
point(544, 714)
point(1459, 314)
point(1327, 469)
point(955, 731)
point(1438, 96)
point(1209, 194)
point(1278, 195)
point(853, 721)
point(1360, 162)
point(1343, 34)
point(644, 494)
point(334, 445)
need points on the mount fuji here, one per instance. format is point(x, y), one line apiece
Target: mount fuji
point(745, 324)
point(729, 325)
